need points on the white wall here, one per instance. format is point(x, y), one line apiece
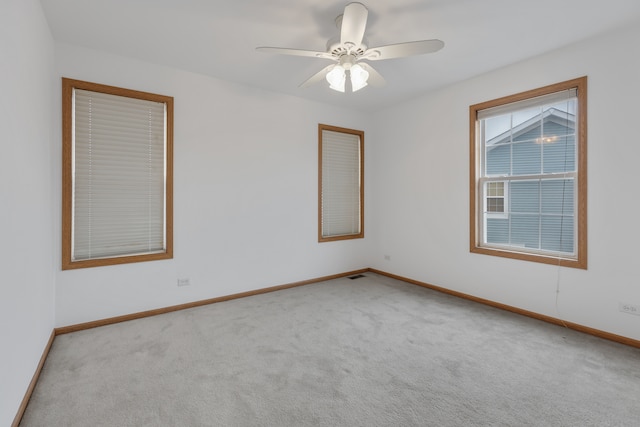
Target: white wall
point(26, 260)
point(421, 165)
point(246, 192)
point(245, 196)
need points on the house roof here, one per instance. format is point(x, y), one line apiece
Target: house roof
point(552, 115)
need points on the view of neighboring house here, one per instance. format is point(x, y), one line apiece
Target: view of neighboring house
point(530, 202)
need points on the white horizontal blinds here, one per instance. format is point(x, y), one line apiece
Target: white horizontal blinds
point(531, 145)
point(340, 196)
point(525, 104)
point(119, 175)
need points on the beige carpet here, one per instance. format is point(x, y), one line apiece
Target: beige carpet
point(365, 352)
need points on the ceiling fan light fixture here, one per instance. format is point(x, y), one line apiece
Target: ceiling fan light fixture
point(349, 47)
point(336, 78)
point(359, 77)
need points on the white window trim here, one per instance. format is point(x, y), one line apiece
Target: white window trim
point(505, 197)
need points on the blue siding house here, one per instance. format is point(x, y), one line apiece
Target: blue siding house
point(530, 203)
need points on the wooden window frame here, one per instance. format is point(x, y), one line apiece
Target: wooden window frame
point(360, 134)
point(580, 260)
point(68, 86)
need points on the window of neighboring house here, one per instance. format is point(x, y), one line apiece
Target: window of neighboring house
point(495, 198)
point(529, 175)
point(117, 175)
point(341, 195)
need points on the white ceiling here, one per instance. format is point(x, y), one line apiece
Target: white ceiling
point(219, 37)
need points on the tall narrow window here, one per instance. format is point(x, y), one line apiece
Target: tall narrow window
point(117, 175)
point(341, 189)
point(529, 177)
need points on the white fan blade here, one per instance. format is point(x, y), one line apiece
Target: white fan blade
point(295, 52)
point(403, 49)
point(375, 79)
point(354, 22)
point(317, 77)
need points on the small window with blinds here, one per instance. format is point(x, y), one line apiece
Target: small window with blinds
point(341, 192)
point(117, 175)
point(529, 177)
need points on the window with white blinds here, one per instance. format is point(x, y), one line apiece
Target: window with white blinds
point(529, 161)
point(341, 183)
point(117, 178)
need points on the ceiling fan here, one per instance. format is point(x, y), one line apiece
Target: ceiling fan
point(351, 48)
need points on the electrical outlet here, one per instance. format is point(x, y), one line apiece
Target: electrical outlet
point(183, 282)
point(630, 308)
point(387, 257)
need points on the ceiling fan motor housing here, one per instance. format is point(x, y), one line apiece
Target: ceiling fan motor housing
point(337, 49)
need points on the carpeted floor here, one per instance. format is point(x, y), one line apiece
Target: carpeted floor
point(367, 352)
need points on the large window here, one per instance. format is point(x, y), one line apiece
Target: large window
point(117, 175)
point(341, 191)
point(529, 175)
